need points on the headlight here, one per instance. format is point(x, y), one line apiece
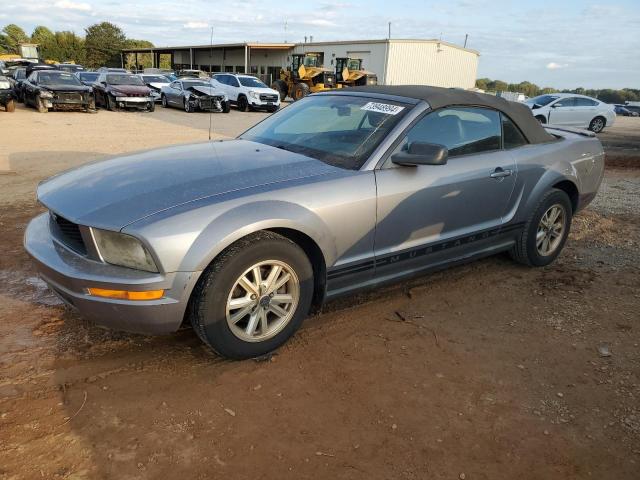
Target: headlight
point(124, 250)
point(5, 84)
point(45, 94)
point(253, 94)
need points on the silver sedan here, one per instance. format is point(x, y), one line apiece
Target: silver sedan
point(338, 192)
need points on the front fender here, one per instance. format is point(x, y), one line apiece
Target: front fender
point(249, 218)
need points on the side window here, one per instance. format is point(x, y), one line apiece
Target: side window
point(463, 131)
point(585, 102)
point(566, 102)
point(33, 78)
point(233, 81)
point(512, 137)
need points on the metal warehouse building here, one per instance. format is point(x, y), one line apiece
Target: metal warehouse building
point(414, 61)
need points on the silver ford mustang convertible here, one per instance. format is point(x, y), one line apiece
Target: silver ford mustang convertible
point(341, 191)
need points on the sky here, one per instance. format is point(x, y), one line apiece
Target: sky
point(561, 44)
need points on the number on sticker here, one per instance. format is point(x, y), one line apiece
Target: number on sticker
point(382, 108)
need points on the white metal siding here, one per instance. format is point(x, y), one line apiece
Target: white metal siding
point(430, 63)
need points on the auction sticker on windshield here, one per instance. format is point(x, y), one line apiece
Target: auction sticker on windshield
point(382, 108)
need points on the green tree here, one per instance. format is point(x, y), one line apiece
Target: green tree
point(145, 60)
point(11, 38)
point(482, 83)
point(46, 41)
point(70, 47)
point(103, 44)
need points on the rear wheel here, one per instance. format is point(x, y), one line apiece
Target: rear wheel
point(243, 103)
point(281, 87)
point(546, 231)
point(10, 106)
point(300, 90)
point(597, 124)
point(253, 297)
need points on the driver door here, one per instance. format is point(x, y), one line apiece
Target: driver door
point(564, 112)
point(175, 94)
point(431, 214)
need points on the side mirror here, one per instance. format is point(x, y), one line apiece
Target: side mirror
point(420, 153)
point(555, 105)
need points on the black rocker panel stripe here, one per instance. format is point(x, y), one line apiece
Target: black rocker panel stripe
point(421, 251)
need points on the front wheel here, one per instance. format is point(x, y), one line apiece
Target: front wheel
point(109, 102)
point(546, 231)
point(243, 104)
point(541, 119)
point(187, 105)
point(597, 124)
point(226, 107)
point(253, 297)
point(10, 106)
point(41, 106)
point(163, 99)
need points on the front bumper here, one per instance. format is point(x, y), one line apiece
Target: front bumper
point(5, 96)
point(69, 274)
point(141, 103)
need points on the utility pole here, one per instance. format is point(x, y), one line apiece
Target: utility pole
point(466, 37)
point(389, 35)
point(285, 31)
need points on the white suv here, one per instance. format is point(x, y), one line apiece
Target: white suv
point(247, 92)
point(572, 110)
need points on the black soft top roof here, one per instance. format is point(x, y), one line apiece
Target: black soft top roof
point(438, 97)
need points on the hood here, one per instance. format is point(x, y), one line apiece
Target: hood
point(66, 88)
point(114, 193)
point(268, 90)
point(206, 90)
point(157, 85)
point(130, 89)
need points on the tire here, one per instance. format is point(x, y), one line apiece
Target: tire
point(226, 107)
point(187, 106)
point(109, 102)
point(163, 99)
point(527, 249)
point(597, 124)
point(541, 119)
point(300, 90)
point(212, 320)
point(10, 106)
point(282, 88)
point(152, 107)
point(91, 106)
point(243, 103)
point(273, 109)
point(40, 105)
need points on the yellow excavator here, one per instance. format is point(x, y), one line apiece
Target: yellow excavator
point(350, 73)
point(305, 75)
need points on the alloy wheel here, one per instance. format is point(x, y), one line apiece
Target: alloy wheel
point(597, 125)
point(551, 230)
point(262, 301)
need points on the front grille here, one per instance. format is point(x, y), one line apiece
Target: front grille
point(69, 97)
point(69, 233)
point(267, 97)
point(329, 80)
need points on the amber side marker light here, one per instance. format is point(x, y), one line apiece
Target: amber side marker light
point(125, 294)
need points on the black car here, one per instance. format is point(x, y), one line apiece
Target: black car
point(7, 97)
point(17, 75)
point(633, 109)
point(88, 78)
point(69, 67)
point(53, 89)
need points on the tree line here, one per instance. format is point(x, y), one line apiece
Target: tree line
point(100, 46)
point(606, 95)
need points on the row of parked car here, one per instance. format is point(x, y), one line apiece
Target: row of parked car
point(46, 87)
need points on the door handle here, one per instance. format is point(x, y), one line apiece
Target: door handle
point(501, 173)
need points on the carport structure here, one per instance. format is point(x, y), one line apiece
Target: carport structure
point(261, 59)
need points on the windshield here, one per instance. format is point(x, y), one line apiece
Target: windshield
point(195, 83)
point(124, 79)
point(353, 64)
point(155, 79)
point(542, 100)
point(57, 78)
point(251, 82)
point(310, 61)
point(20, 74)
point(339, 130)
point(89, 76)
point(171, 76)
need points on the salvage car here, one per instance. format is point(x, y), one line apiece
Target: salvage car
point(155, 82)
point(192, 94)
point(122, 90)
point(56, 90)
point(247, 92)
point(343, 190)
point(7, 95)
point(16, 76)
point(571, 110)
